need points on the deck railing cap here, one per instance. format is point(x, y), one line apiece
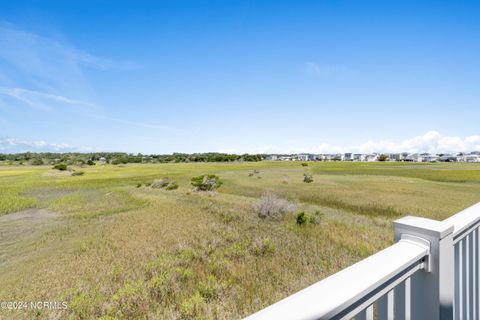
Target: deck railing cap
point(439, 229)
point(465, 219)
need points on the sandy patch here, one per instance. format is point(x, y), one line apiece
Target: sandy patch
point(29, 214)
point(57, 173)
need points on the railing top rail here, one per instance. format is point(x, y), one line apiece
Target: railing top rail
point(333, 295)
point(464, 221)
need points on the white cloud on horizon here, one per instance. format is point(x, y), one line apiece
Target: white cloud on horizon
point(11, 145)
point(431, 142)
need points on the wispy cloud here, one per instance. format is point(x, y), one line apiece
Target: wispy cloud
point(48, 65)
point(327, 71)
point(41, 100)
point(432, 142)
point(46, 74)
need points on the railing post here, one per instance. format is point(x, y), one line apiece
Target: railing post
point(432, 289)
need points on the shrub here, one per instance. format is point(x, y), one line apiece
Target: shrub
point(130, 300)
point(256, 171)
point(210, 288)
point(302, 218)
point(304, 164)
point(171, 185)
point(78, 173)
point(164, 183)
point(271, 206)
point(206, 182)
point(285, 180)
point(60, 166)
point(263, 247)
point(90, 162)
point(250, 174)
point(382, 157)
point(160, 183)
point(139, 185)
point(191, 307)
point(316, 217)
point(307, 177)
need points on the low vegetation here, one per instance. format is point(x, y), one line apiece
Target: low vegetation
point(206, 182)
point(307, 177)
point(60, 166)
point(272, 206)
point(113, 246)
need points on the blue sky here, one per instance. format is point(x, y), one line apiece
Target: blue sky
point(239, 76)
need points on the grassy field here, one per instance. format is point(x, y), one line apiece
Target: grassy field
point(113, 250)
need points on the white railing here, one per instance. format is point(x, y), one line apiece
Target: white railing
point(466, 242)
point(431, 272)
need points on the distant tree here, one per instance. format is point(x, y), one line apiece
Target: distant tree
point(36, 162)
point(382, 157)
point(90, 162)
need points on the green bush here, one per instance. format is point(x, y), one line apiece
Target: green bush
point(60, 166)
point(171, 185)
point(263, 247)
point(307, 178)
point(90, 162)
point(206, 182)
point(78, 173)
point(304, 164)
point(302, 218)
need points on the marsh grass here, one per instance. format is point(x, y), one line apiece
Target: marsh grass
point(115, 251)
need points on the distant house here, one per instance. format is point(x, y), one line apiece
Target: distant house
point(395, 157)
point(427, 157)
point(448, 158)
point(347, 157)
point(271, 157)
point(306, 157)
point(371, 157)
point(470, 158)
point(359, 157)
point(327, 157)
point(337, 157)
point(413, 157)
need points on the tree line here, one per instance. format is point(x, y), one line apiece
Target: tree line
point(73, 158)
